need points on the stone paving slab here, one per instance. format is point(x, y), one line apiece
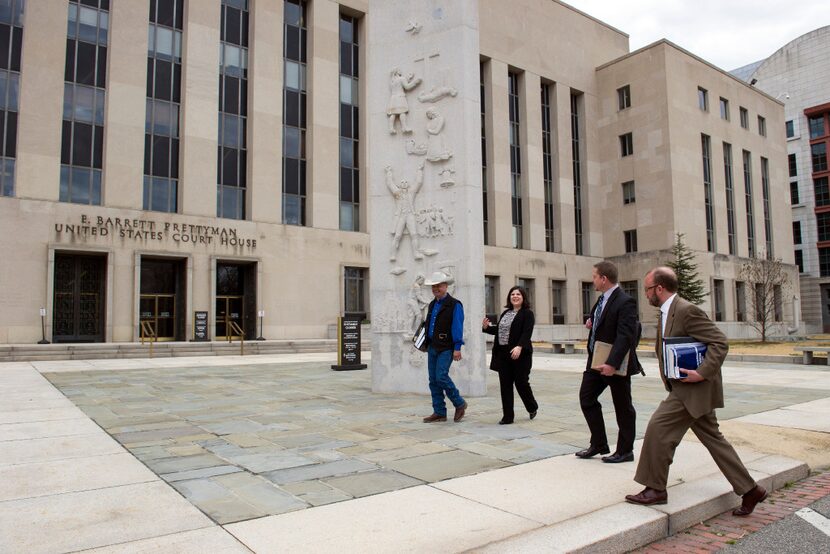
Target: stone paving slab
point(372, 482)
point(214, 540)
point(88, 519)
point(49, 414)
point(57, 448)
point(44, 429)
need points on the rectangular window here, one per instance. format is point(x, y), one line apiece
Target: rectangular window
point(794, 196)
point(85, 76)
point(724, 109)
point(515, 159)
point(765, 197)
point(793, 164)
point(547, 169)
point(824, 262)
point(819, 155)
point(822, 192)
point(760, 302)
point(161, 134)
point(703, 99)
point(719, 300)
point(349, 128)
point(632, 289)
point(730, 198)
point(762, 126)
point(587, 297)
point(799, 260)
point(816, 126)
point(777, 303)
point(796, 232)
point(626, 145)
point(708, 194)
point(11, 39)
point(630, 240)
point(823, 226)
point(740, 301)
point(530, 286)
point(354, 290)
point(491, 296)
point(577, 174)
point(789, 128)
point(232, 158)
point(628, 192)
point(744, 117)
point(483, 151)
point(750, 218)
point(624, 97)
point(294, 93)
point(557, 302)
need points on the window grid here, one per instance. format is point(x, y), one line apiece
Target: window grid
point(294, 114)
point(777, 303)
point(530, 287)
point(161, 138)
point(515, 159)
point(796, 232)
point(626, 145)
point(349, 128)
point(719, 301)
point(793, 165)
point(730, 198)
point(232, 159)
point(823, 226)
point(587, 299)
point(632, 289)
point(483, 150)
point(577, 174)
point(624, 97)
point(789, 128)
point(799, 260)
point(11, 38)
point(547, 169)
point(816, 126)
point(629, 193)
point(821, 191)
point(750, 219)
point(630, 241)
point(724, 109)
point(740, 301)
point(762, 126)
point(824, 262)
point(354, 290)
point(491, 295)
point(818, 153)
point(744, 117)
point(708, 194)
point(85, 76)
point(703, 99)
point(767, 209)
point(557, 302)
point(794, 196)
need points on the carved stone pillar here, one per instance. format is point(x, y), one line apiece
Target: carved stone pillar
point(424, 171)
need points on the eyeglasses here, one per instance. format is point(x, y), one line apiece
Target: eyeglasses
point(651, 287)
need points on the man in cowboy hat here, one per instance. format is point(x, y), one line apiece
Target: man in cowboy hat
point(445, 330)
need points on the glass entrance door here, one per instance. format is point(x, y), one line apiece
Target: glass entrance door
point(78, 314)
point(159, 310)
point(229, 309)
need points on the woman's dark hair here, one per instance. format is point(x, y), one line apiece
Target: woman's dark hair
point(525, 302)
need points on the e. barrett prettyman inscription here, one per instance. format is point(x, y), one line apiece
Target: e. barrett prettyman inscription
point(143, 230)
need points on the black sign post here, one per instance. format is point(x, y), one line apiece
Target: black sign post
point(348, 343)
point(200, 326)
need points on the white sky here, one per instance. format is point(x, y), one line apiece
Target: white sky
point(727, 33)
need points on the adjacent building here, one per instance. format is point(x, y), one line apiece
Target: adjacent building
point(798, 75)
point(166, 161)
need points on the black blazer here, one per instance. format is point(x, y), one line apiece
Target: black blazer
point(521, 331)
point(618, 325)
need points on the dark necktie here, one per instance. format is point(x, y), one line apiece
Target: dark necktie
point(595, 321)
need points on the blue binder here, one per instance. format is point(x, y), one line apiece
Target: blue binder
point(681, 352)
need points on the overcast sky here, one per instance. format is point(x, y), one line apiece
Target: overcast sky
point(727, 33)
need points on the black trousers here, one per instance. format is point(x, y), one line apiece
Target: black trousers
point(593, 384)
point(521, 379)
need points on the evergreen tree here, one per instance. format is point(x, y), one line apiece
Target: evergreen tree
point(690, 286)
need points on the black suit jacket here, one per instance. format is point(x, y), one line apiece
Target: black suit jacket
point(521, 331)
point(618, 325)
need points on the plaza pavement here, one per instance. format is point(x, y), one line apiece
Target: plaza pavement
point(281, 454)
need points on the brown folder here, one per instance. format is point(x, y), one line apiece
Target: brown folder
point(601, 352)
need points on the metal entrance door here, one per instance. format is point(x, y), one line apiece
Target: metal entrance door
point(78, 314)
point(228, 309)
point(159, 310)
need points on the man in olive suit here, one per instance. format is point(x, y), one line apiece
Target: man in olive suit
point(691, 402)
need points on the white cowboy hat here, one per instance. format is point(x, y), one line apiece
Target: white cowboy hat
point(437, 278)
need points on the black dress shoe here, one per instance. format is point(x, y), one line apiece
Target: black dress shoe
point(533, 414)
point(504, 421)
point(592, 451)
point(647, 497)
point(750, 500)
point(617, 458)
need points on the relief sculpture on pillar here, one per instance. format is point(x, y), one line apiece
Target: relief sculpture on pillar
point(398, 107)
point(436, 150)
point(405, 211)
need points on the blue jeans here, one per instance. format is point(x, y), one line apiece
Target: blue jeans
point(440, 382)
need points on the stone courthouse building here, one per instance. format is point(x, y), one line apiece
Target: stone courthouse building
point(167, 157)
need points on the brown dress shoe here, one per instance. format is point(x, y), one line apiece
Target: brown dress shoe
point(434, 417)
point(750, 500)
point(459, 412)
point(647, 497)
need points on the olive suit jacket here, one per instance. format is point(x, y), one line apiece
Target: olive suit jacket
point(687, 320)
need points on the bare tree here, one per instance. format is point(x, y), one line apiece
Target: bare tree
point(768, 283)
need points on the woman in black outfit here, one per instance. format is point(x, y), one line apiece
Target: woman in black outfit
point(513, 352)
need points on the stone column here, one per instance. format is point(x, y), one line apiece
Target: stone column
point(424, 171)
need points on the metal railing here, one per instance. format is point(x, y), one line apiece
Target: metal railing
point(149, 334)
point(234, 330)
